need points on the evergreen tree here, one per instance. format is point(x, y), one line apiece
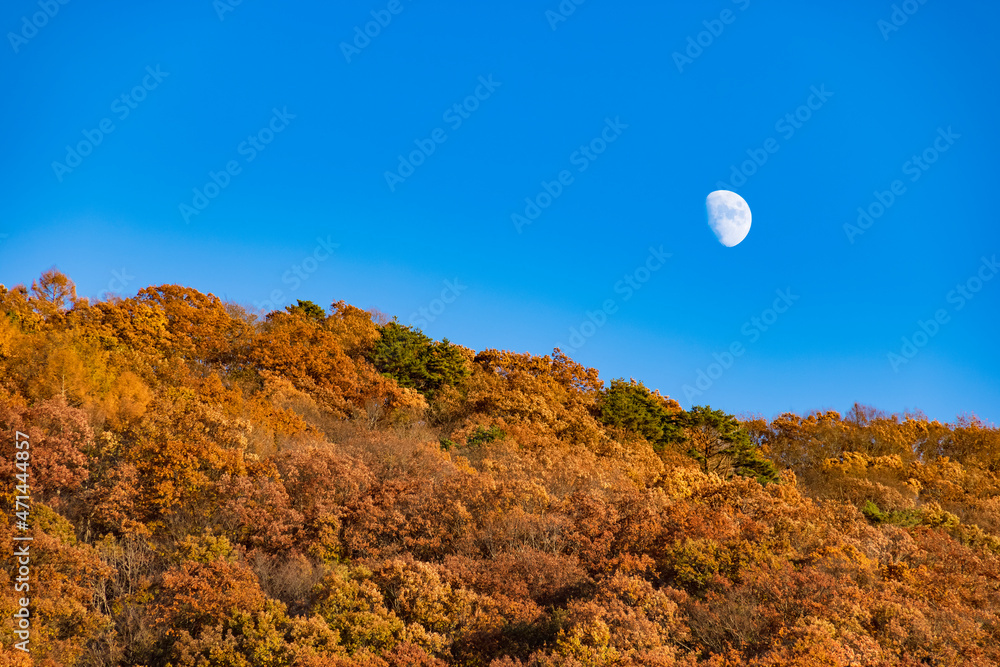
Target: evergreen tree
point(414, 360)
point(633, 407)
point(307, 309)
point(722, 445)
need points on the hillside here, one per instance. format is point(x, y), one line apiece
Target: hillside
point(330, 487)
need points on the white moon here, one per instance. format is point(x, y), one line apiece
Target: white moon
point(728, 216)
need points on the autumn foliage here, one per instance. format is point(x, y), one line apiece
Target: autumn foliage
point(325, 487)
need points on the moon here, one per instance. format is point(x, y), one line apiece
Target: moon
point(728, 216)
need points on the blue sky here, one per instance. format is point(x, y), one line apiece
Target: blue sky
point(250, 152)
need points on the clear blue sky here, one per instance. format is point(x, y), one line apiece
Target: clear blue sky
point(212, 92)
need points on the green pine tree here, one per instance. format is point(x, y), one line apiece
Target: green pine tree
point(722, 445)
point(414, 360)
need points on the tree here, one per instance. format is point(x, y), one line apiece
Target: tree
point(53, 293)
point(722, 445)
point(414, 360)
point(633, 407)
point(210, 489)
point(198, 325)
point(356, 329)
point(313, 359)
point(307, 309)
point(540, 398)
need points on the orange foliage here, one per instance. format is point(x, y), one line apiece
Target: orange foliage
point(212, 488)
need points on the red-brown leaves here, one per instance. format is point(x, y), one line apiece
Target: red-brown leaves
point(260, 495)
point(59, 437)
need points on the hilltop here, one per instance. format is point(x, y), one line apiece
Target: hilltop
point(331, 487)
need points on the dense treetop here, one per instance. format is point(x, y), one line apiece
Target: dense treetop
point(330, 487)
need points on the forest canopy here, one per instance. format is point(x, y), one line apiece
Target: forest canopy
point(325, 486)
